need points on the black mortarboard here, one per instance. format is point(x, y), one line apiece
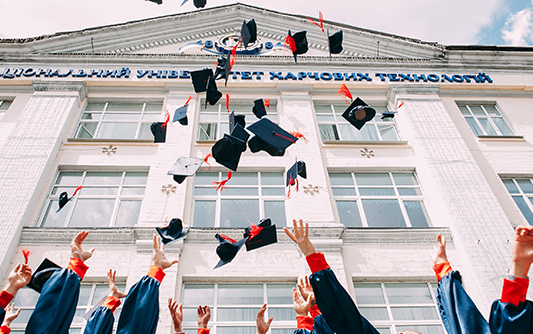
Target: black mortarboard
point(261, 235)
point(298, 169)
point(159, 2)
point(200, 3)
point(159, 130)
point(248, 32)
point(181, 115)
point(227, 249)
point(269, 137)
point(200, 79)
point(387, 114)
point(223, 68)
point(259, 108)
point(227, 151)
point(335, 43)
point(236, 119)
point(184, 167)
point(300, 43)
point(239, 133)
point(173, 232)
point(63, 198)
point(42, 274)
point(212, 95)
point(358, 113)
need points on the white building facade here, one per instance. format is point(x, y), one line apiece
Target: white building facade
point(75, 109)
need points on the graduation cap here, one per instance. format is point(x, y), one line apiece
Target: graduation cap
point(358, 113)
point(63, 198)
point(269, 137)
point(181, 113)
point(223, 68)
point(184, 167)
point(200, 3)
point(227, 151)
point(260, 235)
point(239, 132)
point(159, 130)
point(248, 32)
point(212, 95)
point(297, 43)
point(200, 79)
point(236, 119)
point(42, 274)
point(159, 2)
point(259, 108)
point(298, 169)
point(173, 232)
point(335, 42)
point(227, 249)
point(388, 114)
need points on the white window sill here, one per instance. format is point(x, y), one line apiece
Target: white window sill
point(108, 140)
point(501, 138)
point(333, 143)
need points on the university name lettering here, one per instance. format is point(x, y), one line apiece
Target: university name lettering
point(125, 72)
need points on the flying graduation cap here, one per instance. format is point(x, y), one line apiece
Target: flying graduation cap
point(260, 107)
point(269, 137)
point(64, 199)
point(236, 120)
point(390, 113)
point(212, 95)
point(248, 32)
point(185, 167)
point(197, 3)
point(200, 79)
point(180, 115)
point(335, 42)
point(297, 43)
point(173, 232)
point(358, 113)
point(159, 2)
point(159, 130)
point(223, 68)
point(260, 235)
point(227, 249)
point(227, 151)
point(298, 169)
point(42, 274)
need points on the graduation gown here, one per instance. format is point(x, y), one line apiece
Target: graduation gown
point(101, 320)
point(140, 312)
point(315, 324)
point(5, 299)
point(458, 312)
point(512, 314)
point(334, 302)
point(56, 306)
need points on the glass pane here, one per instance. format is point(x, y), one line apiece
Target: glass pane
point(328, 132)
point(206, 191)
point(133, 191)
point(145, 132)
point(349, 213)
point(282, 314)
point(154, 107)
point(404, 179)
point(236, 330)
point(240, 192)
point(69, 178)
point(4, 105)
point(279, 294)
point(205, 179)
point(122, 116)
point(414, 313)
point(204, 213)
point(522, 205)
point(240, 294)
point(343, 191)
point(53, 218)
point(476, 110)
point(125, 107)
point(501, 124)
point(388, 132)
point(511, 187)
point(491, 110)
point(417, 213)
point(525, 185)
point(408, 293)
point(103, 178)
point(338, 179)
point(87, 130)
point(237, 314)
point(368, 293)
point(233, 212)
point(85, 293)
point(27, 297)
point(348, 132)
point(489, 130)
point(464, 110)
point(323, 109)
point(473, 125)
point(198, 294)
point(92, 213)
point(101, 291)
point(275, 210)
point(206, 117)
point(78, 317)
point(190, 314)
point(70, 190)
point(273, 191)
point(409, 191)
point(151, 117)
point(422, 329)
point(272, 179)
point(368, 133)
point(23, 317)
point(374, 313)
point(384, 330)
point(377, 191)
point(128, 213)
point(136, 178)
point(373, 179)
point(325, 119)
point(92, 115)
point(95, 107)
point(244, 179)
point(207, 131)
point(99, 191)
point(117, 130)
point(383, 212)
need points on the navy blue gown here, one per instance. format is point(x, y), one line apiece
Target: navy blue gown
point(101, 320)
point(512, 314)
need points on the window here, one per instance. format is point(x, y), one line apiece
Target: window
point(521, 191)
point(118, 120)
point(4, 105)
point(485, 120)
point(334, 127)
point(107, 199)
point(214, 121)
point(90, 294)
point(379, 199)
point(234, 307)
point(248, 196)
point(396, 307)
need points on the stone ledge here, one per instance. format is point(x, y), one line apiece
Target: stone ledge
point(393, 235)
point(344, 143)
point(61, 86)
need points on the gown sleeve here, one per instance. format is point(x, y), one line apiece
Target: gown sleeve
point(5, 299)
point(512, 314)
point(5, 330)
point(101, 320)
point(140, 312)
point(56, 306)
point(336, 305)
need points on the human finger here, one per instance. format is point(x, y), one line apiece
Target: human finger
point(289, 233)
point(269, 321)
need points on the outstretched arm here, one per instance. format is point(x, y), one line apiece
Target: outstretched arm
point(204, 315)
point(441, 266)
point(522, 251)
point(176, 312)
point(262, 325)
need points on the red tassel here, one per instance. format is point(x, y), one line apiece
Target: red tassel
point(254, 231)
point(188, 100)
point(26, 254)
point(401, 105)
point(297, 184)
point(289, 42)
point(166, 119)
point(227, 102)
point(222, 184)
point(289, 192)
point(234, 49)
point(76, 191)
point(231, 62)
point(225, 237)
point(298, 135)
point(345, 92)
point(321, 20)
point(267, 103)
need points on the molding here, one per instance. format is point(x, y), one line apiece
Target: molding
point(412, 89)
point(393, 235)
point(362, 143)
point(100, 141)
point(483, 138)
point(61, 86)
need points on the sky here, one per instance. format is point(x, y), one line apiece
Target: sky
point(449, 22)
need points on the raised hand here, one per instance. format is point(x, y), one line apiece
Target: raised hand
point(18, 278)
point(301, 237)
point(10, 315)
point(440, 250)
point(522, 251)
point(262, 325)
point(75, 247)
point(176, 312)
point(112, 286)
point(301, 305)
point(306, 289)
point(204, 314)
point(158, 255)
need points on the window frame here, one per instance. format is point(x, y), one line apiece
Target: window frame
point(527, 197)
point(487, 116)
point(4, 102)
